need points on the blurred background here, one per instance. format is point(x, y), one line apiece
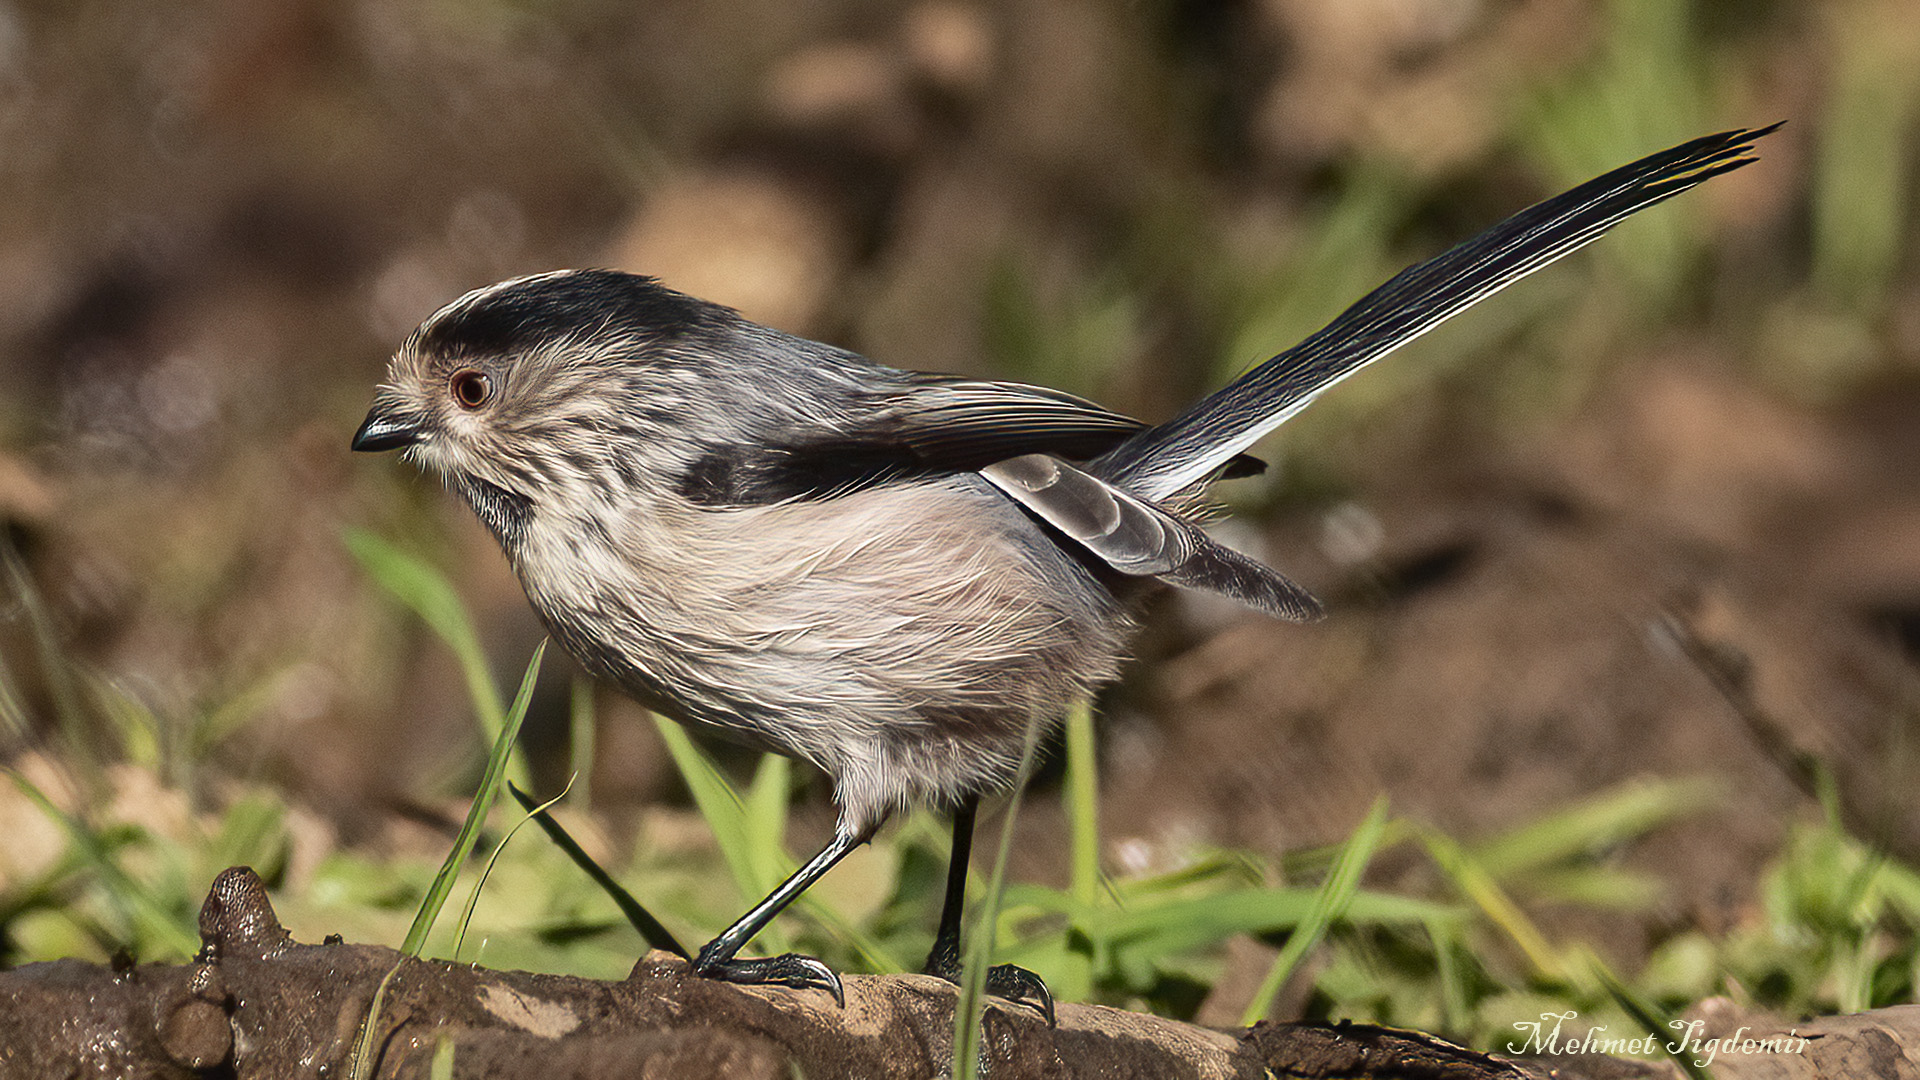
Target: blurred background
point(1650, 523)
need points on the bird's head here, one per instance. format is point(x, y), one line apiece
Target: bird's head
point(534, 390)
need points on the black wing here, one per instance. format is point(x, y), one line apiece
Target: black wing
point(928, 425)
point(952, 422)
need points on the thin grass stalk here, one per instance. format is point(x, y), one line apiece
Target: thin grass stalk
point(436, 897)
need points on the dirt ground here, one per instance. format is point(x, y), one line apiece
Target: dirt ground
point(1689, 580)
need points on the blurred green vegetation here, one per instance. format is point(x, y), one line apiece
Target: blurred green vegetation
point(1460, 955)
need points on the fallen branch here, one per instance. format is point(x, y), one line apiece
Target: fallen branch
point(255, 1003)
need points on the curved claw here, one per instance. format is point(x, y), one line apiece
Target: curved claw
point(1018, 985)
point(789, 969)
point(1015, 984)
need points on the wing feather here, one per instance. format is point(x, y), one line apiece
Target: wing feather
point(1142, 540)
point(924, 425)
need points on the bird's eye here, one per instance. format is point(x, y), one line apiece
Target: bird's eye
point(471, 389)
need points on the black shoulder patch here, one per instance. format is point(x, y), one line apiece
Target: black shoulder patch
point(737, 476)
point(709, 481)
point(519, 314)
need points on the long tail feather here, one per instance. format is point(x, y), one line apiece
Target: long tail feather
point(1159, 461)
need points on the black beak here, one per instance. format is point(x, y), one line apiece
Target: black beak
point(384, 430)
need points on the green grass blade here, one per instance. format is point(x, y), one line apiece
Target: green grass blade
point(718, 803)
point(252, 832)
point(1329, 903)
point(363, 1055)
point(142, 913)
point(651, 929)
point(1645, 1013)
point(764, 821)
point(463, 844)
point(1083, 804)
point(1603, 888)
point(1232, 867)
point(1483, 892)
point(1447, 947)
point(429, 594)
point(1204, 920)
point(728, 819)
point(59, 676)
point(1900, 884)
point(486, 871)
point(874, 956)
point(749, 831)
point(1604, 821)
point(979, 952)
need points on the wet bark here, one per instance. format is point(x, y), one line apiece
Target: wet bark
point(255, 1003)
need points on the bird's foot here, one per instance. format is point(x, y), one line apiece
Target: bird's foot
point(789, 969)
point(1023, 987)
point(1015, 984)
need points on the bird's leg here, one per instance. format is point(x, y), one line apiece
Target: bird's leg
point(944, 960)
point(1003, 980)
point(717, 960)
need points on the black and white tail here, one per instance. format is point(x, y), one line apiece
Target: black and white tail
point(1159, 461)
point(1112, 505)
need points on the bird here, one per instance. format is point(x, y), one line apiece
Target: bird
point(893, 575)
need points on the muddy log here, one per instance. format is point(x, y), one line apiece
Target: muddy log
point(255, 1003)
